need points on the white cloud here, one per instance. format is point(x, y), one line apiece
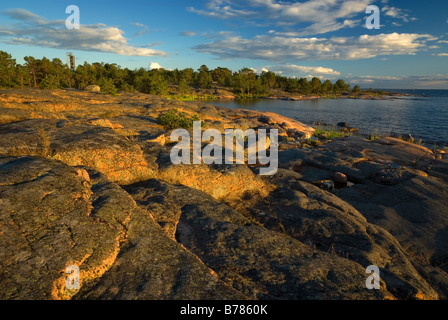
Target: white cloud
point(310, 76)
point(441, 54)
point(320, 28)
point(25, 15)
point(155, 65)
point(372, 78)
point(188, 33)
point(405, 82)
point(216, 35)
point(311, 16)
point(154, 44)
point(38, 31)
point(283, 48)
point(397, 13)
point(144, 29)
point(321, 15)
point(220, 9)
point(291, 68)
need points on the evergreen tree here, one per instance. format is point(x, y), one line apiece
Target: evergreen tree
point(52, 74)
point(23, 77)
point(341, 86)
point(7, 70)
point(268, 79)
point(187, 76)
point(246, 82)
point(304, 86)
point(316, 85)
point(158, 85)
point(204, 79)
point(327, 87)
point(222, 76)
point(292, 85)
point(31, 66)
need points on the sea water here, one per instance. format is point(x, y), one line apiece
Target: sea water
point(423, 114)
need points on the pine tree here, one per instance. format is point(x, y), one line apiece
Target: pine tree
point(7, 70)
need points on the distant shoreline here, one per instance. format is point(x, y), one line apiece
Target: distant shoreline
point(220, 94)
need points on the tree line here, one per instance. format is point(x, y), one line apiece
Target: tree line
point(54, 74)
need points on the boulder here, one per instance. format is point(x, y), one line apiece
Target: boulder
point(340, 178)
point(92, 88)
point(53, 216)
point(223, 182)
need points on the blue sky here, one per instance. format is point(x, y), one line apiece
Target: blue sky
point(323, 38)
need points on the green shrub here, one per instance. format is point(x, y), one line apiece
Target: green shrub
point(107, 86)
point(326, 134)
point(374, 135)
point(176, 120)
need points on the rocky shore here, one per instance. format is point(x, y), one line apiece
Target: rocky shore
point(86, 180)
point(222, 93)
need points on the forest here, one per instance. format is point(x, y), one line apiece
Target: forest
point(55, 74)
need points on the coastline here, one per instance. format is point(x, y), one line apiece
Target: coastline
point(99, 166)
point(224, 94)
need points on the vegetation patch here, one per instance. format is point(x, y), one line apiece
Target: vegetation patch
point(190, 97)
point(175, 119)
point(112, 79)
point(324, 134)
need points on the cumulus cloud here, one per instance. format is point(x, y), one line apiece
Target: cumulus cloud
point(321, 16)
point(155, 65)
point(32, 29)
point(284, 49)
point(311, 16)
point(291, 68)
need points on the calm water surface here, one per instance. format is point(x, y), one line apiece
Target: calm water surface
point(424, 116)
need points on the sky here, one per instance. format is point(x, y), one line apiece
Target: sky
point(307, 38)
